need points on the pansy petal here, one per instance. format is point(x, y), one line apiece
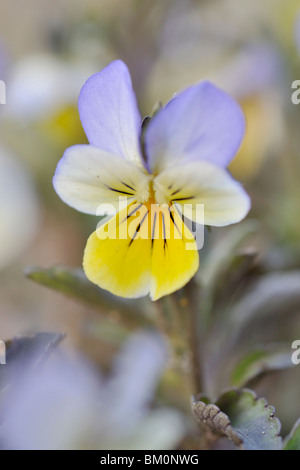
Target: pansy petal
point(201, 123)
point(109, 112)
point(88, 178)
point(143, 249)
point(116, 263)
point(195, 183)
point(175, 258)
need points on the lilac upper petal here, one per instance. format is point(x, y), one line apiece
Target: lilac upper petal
point(201, 123)
point(109, 112)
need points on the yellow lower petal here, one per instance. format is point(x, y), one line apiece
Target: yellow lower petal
point(143, 249)
point(115, 263)
point(175, 259)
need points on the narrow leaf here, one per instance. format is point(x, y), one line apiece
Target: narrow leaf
point(73, 283)
point(219, 260)
point(260, 361)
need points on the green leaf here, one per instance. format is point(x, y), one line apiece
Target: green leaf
point(252, 419)
point(218, 262)
point(225, 268)
point(292, 441)
point(242, 417)
point(275, 293)
point(73, 283)
point(209, 415)
point(260, 361)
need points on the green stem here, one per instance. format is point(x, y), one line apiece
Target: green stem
point(195, 336)
point(179, 319)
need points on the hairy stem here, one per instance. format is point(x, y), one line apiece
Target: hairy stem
point(195, 336)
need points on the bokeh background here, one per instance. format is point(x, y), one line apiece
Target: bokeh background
point(47, 51)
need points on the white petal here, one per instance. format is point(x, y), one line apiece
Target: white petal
point(224, 199)
point(89, 179)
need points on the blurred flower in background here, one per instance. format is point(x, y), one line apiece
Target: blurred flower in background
point(42, 91)
point(40, 84)
point(254, 77)
point(19, 208)
point(67, 405)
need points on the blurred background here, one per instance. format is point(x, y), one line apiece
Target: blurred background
point(48, 50)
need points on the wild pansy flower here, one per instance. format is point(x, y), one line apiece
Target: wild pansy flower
point(19, 207)
point(177, 163)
